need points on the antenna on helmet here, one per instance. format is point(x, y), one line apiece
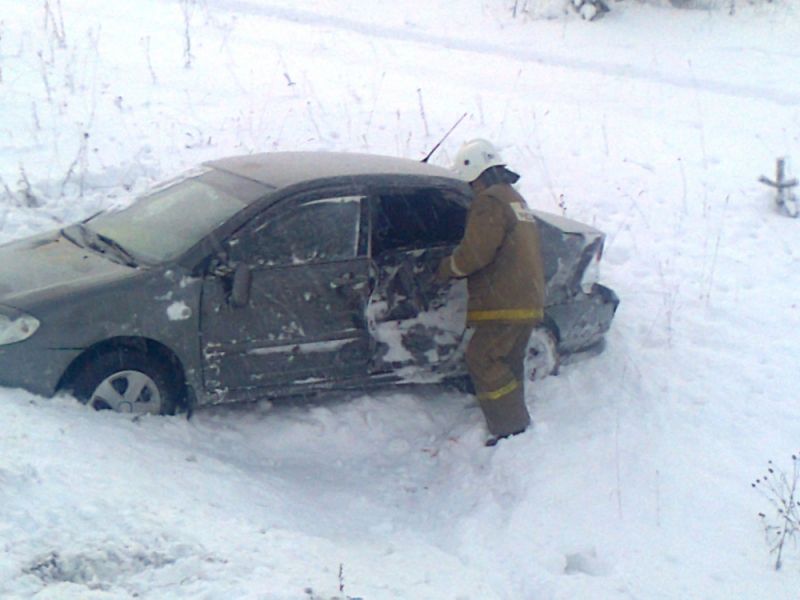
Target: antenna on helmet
point(444, 137)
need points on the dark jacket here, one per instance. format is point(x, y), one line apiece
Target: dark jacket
point(501, 257)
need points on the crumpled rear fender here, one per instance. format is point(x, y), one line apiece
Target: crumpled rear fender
point(584, 319)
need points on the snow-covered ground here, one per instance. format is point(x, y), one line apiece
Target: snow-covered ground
point(652, 124)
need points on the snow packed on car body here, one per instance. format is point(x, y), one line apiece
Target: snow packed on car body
point(270, 275)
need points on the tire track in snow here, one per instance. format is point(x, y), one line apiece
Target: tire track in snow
point(309, 18)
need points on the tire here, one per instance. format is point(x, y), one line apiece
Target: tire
point(126, 380)
point(541, 355)
point(461, 383)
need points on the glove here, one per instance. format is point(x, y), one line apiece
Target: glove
point(444, 272)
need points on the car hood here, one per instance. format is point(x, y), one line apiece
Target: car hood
point(48, 265)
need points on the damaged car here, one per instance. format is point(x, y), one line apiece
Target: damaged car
point(270, 275)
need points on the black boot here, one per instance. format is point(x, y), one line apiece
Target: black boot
point(492, 441)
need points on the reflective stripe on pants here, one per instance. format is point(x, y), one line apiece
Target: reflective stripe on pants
point(500, 392)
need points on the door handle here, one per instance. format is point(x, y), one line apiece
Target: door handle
point(240, 288)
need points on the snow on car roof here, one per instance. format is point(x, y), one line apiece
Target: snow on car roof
point(281, 169)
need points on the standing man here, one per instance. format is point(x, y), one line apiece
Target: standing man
point(501, 259)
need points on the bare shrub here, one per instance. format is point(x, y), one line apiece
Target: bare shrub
point(782, 523)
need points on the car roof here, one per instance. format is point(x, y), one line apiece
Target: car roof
point(283, 169)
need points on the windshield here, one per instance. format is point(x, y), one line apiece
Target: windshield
point(168, 221)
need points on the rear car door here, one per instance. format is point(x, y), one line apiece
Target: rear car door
point(418, 323)
point(304, 320)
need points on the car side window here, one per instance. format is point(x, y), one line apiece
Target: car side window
point(417, 218)
point(318, 230)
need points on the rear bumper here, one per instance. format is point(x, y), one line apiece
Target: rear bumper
point(583, 321)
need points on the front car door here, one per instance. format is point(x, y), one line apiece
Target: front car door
point(304, 321)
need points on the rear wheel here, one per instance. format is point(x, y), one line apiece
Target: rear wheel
point(126, 380)
point(541, 356)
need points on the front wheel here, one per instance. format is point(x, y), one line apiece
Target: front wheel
point(127, 381)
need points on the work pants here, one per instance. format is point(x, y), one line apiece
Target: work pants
point(495, 359)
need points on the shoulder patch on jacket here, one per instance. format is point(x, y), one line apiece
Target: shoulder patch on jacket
point(523, 213)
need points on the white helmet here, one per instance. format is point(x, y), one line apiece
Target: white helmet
point(474, 157)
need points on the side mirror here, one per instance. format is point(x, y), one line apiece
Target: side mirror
point(240, 291)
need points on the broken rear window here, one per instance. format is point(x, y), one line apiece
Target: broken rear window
point(409, 219)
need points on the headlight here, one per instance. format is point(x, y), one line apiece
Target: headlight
point(16, 328)
point(590, 276)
